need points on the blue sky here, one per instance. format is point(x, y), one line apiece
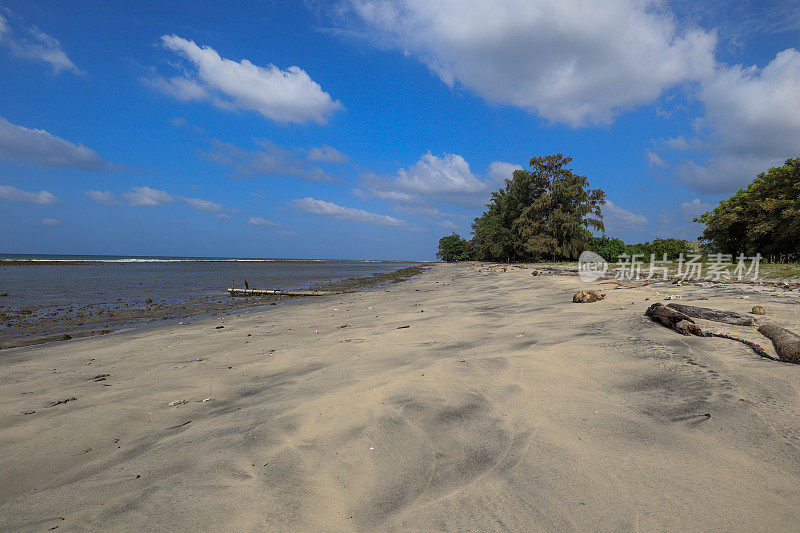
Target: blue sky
point(370, 128)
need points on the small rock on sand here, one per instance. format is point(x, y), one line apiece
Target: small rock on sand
point(582, 297)
point(758, 310)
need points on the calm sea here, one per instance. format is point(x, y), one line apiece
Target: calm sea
point(101, 280)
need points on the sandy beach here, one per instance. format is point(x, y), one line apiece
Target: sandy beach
point(467, 397)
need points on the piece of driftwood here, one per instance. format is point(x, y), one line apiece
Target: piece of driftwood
point(585, 297)
point(717, 315)
point(673, 319)
point(786, 343)
point(258, 292)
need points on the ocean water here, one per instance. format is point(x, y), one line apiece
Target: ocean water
point(114, 280)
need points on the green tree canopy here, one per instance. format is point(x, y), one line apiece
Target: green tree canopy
point(546, 212)
point(454, 248)
point(762, 218)
point(608, 248)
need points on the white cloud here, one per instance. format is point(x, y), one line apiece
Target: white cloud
point(500, 171)
point(22, 144)
point(422, 211)
point(35, 45)
point(326, 154)
point(145, 196)
point(617, 219)
point(654, 160)
point(202, 205)
point(284, 96)
point(448, 177)
point(329, 209)
point(449, 174)
point(102, 197)
point(752, 122)
point(258, 221)
point(677, 143)
point(570, 61)
point(50, 222)
point(693, 208)
point(271, 160)
point(447, 225)
point(7, 192)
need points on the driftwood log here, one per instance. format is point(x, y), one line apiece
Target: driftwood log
point(673, 319)
point(717, 315)
point(786, 343)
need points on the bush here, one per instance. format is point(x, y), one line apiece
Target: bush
point(607, 248)
point(454, 248)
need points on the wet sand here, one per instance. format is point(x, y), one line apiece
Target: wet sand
point(465, 398)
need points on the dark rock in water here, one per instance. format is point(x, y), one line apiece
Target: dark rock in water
point(4, 294)
point(786, 343)
point(148, 301)
point(66, 337)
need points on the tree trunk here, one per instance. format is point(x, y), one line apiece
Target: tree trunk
point(786, 343)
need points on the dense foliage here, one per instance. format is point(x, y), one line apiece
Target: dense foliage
point(454, 248)
point(610, 249)
point(546, 212)
point(607, 247)
point(763, 218)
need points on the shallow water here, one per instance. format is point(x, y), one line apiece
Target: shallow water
point(115, 281)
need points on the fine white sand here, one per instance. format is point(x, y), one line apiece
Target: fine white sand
point(503, 406)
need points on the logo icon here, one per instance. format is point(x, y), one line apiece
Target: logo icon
point(591, 266)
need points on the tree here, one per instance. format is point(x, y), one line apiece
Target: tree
point(543, 213)
point(673, 248)
point(556, 225)
point(762, 218)
point(454, 248)
point(607, 248)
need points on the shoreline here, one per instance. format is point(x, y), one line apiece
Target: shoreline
point(109, 318)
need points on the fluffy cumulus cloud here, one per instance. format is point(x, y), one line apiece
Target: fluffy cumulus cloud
point(332, 210)
point(751, 122)
point(25, 145)
point(500, 171)
point(147, 197)
point(570, 61)
point(270, 160)
point(12, 194)
point(33, 44)
point(284, 96)
point(258, 221)
point(439, 175)
point(618, 220)
point(432, 177)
